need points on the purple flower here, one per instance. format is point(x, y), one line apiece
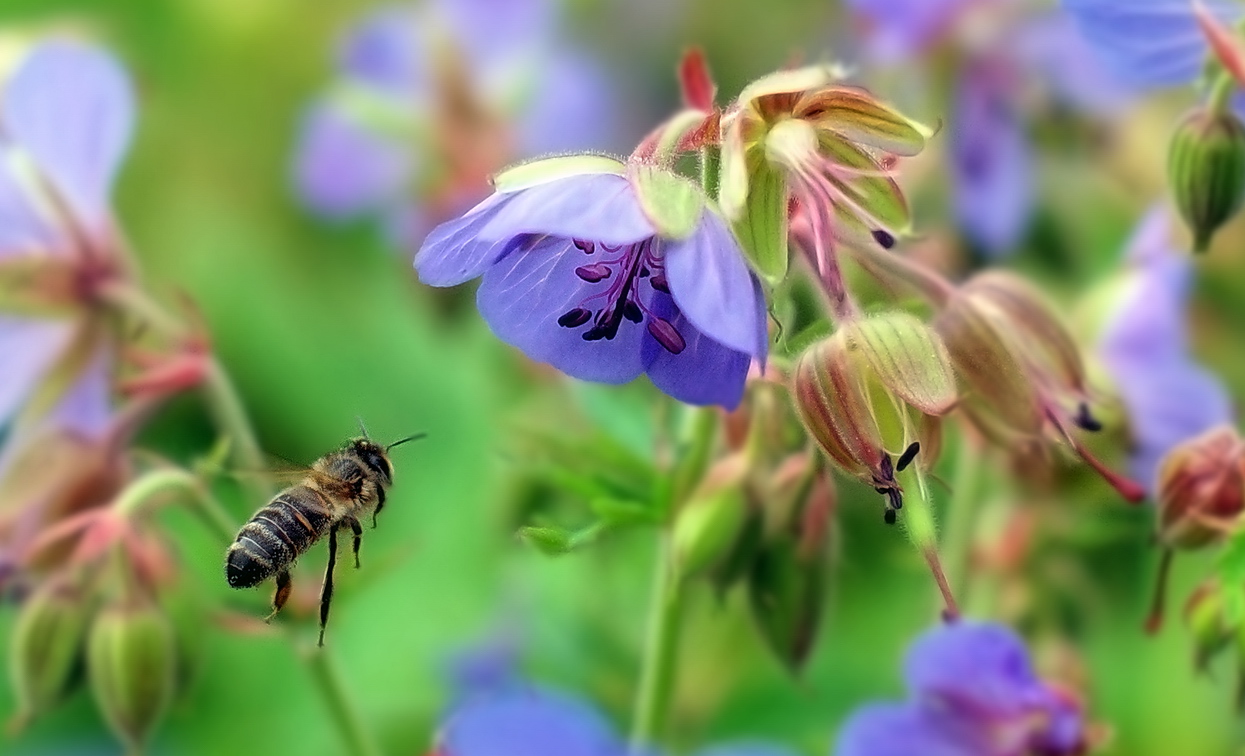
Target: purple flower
point(1149, 43)
point(972, 692)
point(1169, 397)
point(903, 28)
point(431, 99)
point(65, 123)
point(577, 274)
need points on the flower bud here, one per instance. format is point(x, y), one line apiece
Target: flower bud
point(711, 521)
point(1201, 489)
point(1206, 169)
point(1208, 624)
point(131, 659)
point(46, 647)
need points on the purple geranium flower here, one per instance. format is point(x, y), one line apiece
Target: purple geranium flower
point(973, 692)
point(577, 274)
point(65, 123)
point(1169, 397)
point(433, 98)
point(1149, 43)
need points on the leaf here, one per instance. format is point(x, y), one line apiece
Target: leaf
point(548, 541)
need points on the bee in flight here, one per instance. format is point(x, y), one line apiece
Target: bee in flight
point(334, 493)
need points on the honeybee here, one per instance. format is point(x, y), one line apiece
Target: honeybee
point(334, 493)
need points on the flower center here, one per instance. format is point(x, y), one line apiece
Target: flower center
point(619, 274)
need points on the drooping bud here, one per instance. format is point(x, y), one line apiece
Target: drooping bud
point(711, 520)
point(1208, 623)
point(131, 660)
point(1201, 490)
point(46, 647)
point(1206, 170)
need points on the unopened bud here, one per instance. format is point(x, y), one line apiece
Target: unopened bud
point(131, 659)
point(1206, 169)
point(1201, 489)
point(46, 647)
point(710, 522)
point(1208, 624)
point(787, 592)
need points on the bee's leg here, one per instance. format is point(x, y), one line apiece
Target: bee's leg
point(380, 504)
point(282, 594)
point(357, 529)
point(326, 593)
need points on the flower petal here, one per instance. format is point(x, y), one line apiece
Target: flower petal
point(715, 289)
point(86, 408)
point(893, 729)
point(22, 229)
point(29, 347)
point(704, 372)
point(979, 667)
point(454, 252)
point(384, 51)
point(343, 169)
point(71, 108)
point(528, 723)
point(601, 207)
point(572, 107)
point(525, 292)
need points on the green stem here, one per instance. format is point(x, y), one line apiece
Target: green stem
point(700, 433)
point(961, 525)
point(341, 708)
point(657, 676)
point(918, 518)
point(711, 170)
point(146, 490)
point(1221, 91)
point(232, 419)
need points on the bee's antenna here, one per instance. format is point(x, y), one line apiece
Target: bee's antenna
point(362, 427)
point(415, 437)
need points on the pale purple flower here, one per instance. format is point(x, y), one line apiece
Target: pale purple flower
point(392, 137)
point(1169, 397)
point(972, 692)
point(1149, 43)
point(904, 28)
point(575, 274)
point(66, 117)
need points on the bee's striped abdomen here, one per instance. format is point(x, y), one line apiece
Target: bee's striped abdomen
point(276, 535)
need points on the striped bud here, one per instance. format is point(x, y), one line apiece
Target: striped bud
point(1201, 490)
point(1206, 170)
point(46, 648)
point(131, 660)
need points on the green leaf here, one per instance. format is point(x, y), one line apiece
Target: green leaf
point(671, 202)
point(543, 171)
point(909, 359)
point(762, 228)
point(548, 541)
point(624, 512)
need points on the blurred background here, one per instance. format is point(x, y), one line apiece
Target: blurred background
point(316, 312)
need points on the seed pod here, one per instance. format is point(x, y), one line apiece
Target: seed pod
point(1206, 170)
point(1201, 489)
point(45, 648)
point(712, 519)
point(787, 593)
point(131, 659)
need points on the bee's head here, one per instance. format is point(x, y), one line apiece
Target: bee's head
point(374, 458)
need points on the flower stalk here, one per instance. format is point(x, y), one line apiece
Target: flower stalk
point(918, 519)
point(660, 652)
point(341, 708)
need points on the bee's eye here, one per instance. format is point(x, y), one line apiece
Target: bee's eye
point(378, 463)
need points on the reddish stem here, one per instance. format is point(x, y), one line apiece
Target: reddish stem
point(951, 610)
point(1154, 621)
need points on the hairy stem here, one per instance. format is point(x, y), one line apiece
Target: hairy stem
point(344, 713)
point(918, 518)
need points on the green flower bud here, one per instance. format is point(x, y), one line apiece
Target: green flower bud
point(46, 647)
point(1206, 169)
point(1204, 614)
point(131, 659)
point(710, 522)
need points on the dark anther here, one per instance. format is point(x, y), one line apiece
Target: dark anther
point(658, 282)
point(908, 455)
point(593, 273)
point(586, 247)
point(1085, 420)
point(896, 498)
point(575, 318)
point(644, 271)
point(596, 333)
point(631, 311)
point(889, 516)
point(881, 490)
point(887, 467)
point(667, 335)
point(884, 238)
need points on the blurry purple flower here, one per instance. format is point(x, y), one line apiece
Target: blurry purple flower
point(431, 99)
point(1169, 397)
point(904, 28)
point(578, 276)
point(485, 668)
point(1149, 43)
point(65, 124)
point(972, 692)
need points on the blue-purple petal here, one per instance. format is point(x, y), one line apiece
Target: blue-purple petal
point(705, 372)
point(528, 723)
point(1052, 46)
point(525, 292)
point(384, 51)
point(22, 230)
point(992, 163)
point(746, 748)
point(907, 729)
point(497, 33)
point(714, 288)
point(30, 347)
point(902, 28)
point(1148, 43)
point(344, 169)
point(573, 107)
point(454, 253)
point(977, 667)
point(601, 207)
point(71, 108)
point(85, 409)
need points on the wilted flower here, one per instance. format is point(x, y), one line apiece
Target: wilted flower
point(432, 98)
point(972, 690)
point(607, 271)
point(1169, 397)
